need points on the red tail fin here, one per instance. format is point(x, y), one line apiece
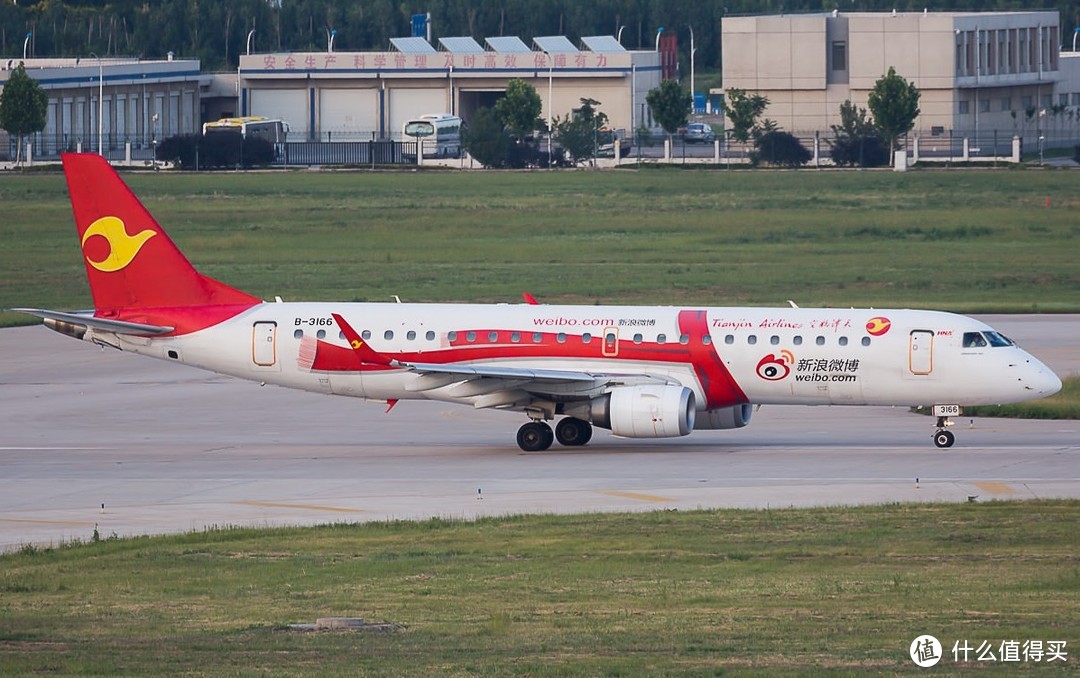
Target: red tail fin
point(130, 261)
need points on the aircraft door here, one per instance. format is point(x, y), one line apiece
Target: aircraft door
point(611, 342)
point(921, 352)
point(264, 344)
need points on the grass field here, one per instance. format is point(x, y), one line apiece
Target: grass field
point(700, 593)
point(967, 240)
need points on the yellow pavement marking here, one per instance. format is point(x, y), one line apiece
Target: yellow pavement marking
point(74, 523)
point(994, 487)
point(635, 495)
point(309, 507)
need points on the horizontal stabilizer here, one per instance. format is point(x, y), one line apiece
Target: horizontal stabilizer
point(87, 319)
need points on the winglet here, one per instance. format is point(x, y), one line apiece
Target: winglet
point(530, 299)
point(359, 346)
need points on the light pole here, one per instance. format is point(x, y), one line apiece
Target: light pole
point(658, 32)
point(100, 103)
point(618, 36)
point(693, 50)
point(251, 34)
point(551, 121)
point(25, 44)
point(330, 35)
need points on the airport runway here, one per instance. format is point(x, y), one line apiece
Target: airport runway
point(166, 448)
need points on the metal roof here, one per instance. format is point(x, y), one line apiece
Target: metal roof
point(603, 44)
point(508, 45)
point(412, 46)
point(461, 45)
point(555, 44)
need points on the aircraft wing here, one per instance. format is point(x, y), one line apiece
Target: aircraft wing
point(87, 319)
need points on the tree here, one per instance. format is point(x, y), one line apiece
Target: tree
point(742, 110)
point(577, 133)
point(486, 139)
point(894, 103)
point(857, 141)
point(670, 105)
point(23, 107)
point(520, 109)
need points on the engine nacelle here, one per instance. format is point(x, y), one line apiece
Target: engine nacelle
point(646, 411)
point(725, 417)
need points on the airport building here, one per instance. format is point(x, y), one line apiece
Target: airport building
point(138, 102)
point(329, 96)
point(978, 73)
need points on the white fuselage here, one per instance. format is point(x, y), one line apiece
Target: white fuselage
point(770, 355)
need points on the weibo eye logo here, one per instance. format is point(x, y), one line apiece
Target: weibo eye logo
point(878, 326)
point(772, 368)
point(122, 247)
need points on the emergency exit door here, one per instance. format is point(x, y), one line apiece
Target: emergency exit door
point(921, 352)
point(263, 344)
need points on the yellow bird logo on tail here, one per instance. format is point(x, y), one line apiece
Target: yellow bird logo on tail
point(122, 247)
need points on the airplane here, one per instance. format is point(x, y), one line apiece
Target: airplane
point(639, 371)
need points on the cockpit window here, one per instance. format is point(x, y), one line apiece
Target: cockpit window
point(983, 339)
point(998, 339)
point(974, 340)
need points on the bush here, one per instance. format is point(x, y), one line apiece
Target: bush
point(486, 140)
point(868, 151)
point(194, 151)
point(780, 148)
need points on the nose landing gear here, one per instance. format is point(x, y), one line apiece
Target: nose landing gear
point(942, 437)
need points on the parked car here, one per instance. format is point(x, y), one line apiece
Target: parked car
point(699, 132)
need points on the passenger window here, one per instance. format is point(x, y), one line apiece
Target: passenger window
point(388, 335)
point(661, 338)
point(586, 338)
point(538, 337)
point(493, 337)
point(866, 341)
point(366, 334)
point(430, 336)
point(843, 341)
point(411, 336)
point(451, 336)
point(684, 339)
point(561, 337)
point(774, 340)
point(974, 340)
point(470, 336)
point(820, 341)
point(341, 335)
point(298, 334)
point(515, 337)
point(752, 339)
point(797, 340)
point(638, 338)
point(321, 334)
point(729, 339)
point(706, 340)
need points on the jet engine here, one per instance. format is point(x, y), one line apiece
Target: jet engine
point(645, 411)
point(724, 417)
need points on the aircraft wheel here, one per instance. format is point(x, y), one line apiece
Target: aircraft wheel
point(573, 432)
point(536, 436)
point(944, 439)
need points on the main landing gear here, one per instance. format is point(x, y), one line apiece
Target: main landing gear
point(536, 436)
point(943, 437)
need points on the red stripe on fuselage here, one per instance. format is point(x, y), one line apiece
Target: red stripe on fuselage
point(719, 386)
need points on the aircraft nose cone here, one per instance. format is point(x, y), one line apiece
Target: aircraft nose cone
point(1043, 381)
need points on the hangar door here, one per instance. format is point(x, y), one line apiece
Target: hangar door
point(406, 104)
point(348, 114)
point(290, 105)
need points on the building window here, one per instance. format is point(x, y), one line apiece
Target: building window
point(1076, 99)
point(1026, 103)
point(1045, 101)
point(1006, 103)
point(839, 55)
point(984, 105)
point(963, 107)
point(1063, 99)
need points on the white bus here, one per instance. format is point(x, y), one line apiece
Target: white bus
point(255, 127)
point(440, 134)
